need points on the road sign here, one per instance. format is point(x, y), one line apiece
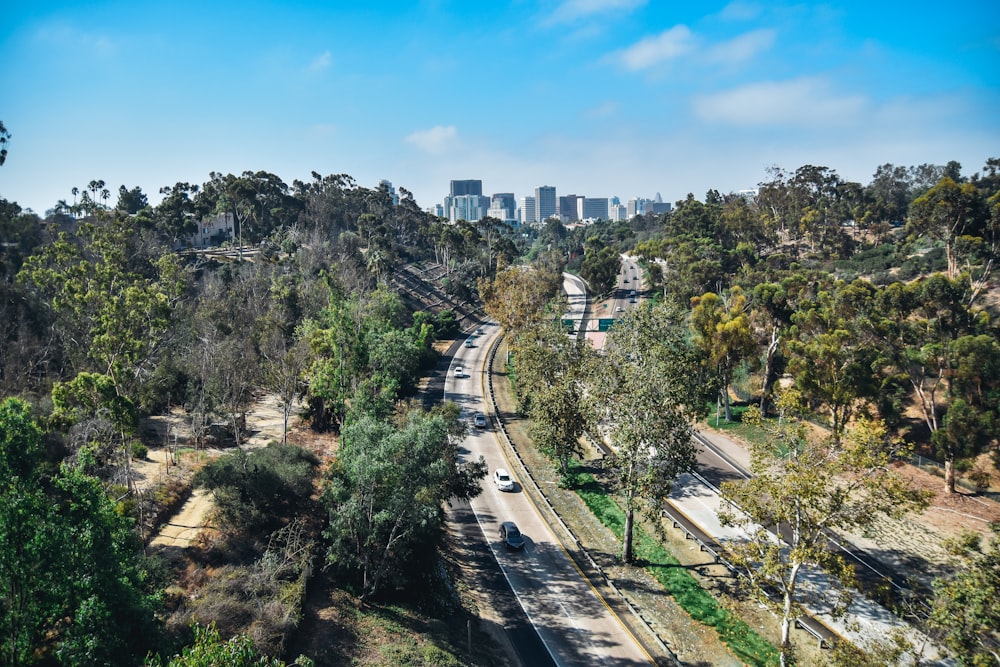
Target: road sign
point(604, 323)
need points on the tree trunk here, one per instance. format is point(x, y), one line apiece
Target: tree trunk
point(726, 403)
point(627, 539)
point(949, 475)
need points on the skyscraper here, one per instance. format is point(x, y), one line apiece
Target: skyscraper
point(545, 202)
point(568, 208)
point(527, 210)
point(470, 187)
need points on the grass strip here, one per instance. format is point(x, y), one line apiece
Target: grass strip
point(741, 639)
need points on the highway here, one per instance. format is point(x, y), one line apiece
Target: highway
point(573, 624)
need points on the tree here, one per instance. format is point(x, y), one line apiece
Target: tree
point(965, 606)
point(830, 351)
point(518, 296)
point(385, 496)
point(551, 385)
point(722, 332)
point(4, 138)
point(72, 584)
point(131, 201)
point(947, 212)
point(948, 351)
point(600, 267)
point(801, 490)
point(648, 390)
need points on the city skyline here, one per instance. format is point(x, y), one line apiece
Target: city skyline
point(616, 97)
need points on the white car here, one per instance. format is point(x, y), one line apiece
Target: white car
point(503, 480)
point(459, 372)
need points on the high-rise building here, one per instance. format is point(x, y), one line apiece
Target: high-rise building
point(466, 207)
point(592, 208)
point(470, 187)
point(505, 201)
point(568, 208)
point(526, 211)
point(391, 190)
point(617, 212)
point(546, 204)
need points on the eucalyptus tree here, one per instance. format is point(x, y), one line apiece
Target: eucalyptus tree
point(648, 390)
point(386, 495)
point(946, 213)
point(831, 349)
point(948, 351)
point(721, 327)
point(518, 296)
point(801, 489)
point(551, 371)
point(965, 606)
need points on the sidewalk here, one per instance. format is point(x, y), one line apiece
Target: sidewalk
point(864, 621)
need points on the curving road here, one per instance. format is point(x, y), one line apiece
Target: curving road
point(572, 624)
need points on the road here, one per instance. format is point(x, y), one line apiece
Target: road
point(573, 625)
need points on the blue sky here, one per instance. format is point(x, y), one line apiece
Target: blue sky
point(596, 97)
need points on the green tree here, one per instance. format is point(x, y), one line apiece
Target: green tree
point(831, 351)
point(385, 498)
point(946, 213)
point(648, 390)
point(600, 267)
point(948, 351)
point(4, 138)
point(965, 606)
point(721, 329)
point(551, 384)
point(72, 584)
point(802, 489)
point(517, 296)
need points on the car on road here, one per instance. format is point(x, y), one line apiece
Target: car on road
point(480, 331)
point(511, 536)
point(618, 309)
point(459, 372)
point(625, 281)
point(503, 479)
point(479, 420)
point(469, 343)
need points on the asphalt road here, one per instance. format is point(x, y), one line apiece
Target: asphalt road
point(572, 623)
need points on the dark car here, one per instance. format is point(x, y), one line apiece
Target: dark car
point(511, 536)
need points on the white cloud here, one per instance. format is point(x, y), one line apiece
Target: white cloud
point(650, 51)
point(742, 48)
point(573, 10)
point(321, 62)
point(740, 11)
point(434, 140)
point(804, 102)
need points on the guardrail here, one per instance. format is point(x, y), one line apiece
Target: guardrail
point(537, 492)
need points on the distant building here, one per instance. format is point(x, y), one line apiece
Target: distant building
point(526, 212)
point(617, 212)
point(568, 208)
point(466, 207)
point(391, 190)
point(469, 187)
point(213, 231)
point(592, 208)
point(658, 207)
point(546, 204)
point(504, 201)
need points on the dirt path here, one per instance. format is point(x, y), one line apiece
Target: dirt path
point(265, 421)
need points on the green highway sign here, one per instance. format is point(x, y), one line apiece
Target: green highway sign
point(604, 323)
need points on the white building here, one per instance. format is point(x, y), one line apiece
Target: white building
point(213, 231)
